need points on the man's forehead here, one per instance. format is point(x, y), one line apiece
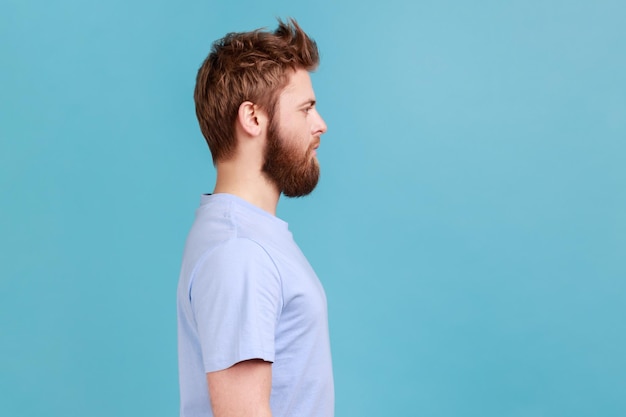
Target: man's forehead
point(299, 84)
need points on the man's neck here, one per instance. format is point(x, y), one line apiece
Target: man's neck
point(248, 185)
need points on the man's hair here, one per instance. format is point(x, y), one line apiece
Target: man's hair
point(248, 66)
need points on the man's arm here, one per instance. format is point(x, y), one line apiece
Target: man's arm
point(243, 390)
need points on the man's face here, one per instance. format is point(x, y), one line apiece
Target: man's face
point(293, 137)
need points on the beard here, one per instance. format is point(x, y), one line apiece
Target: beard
point(295, 172)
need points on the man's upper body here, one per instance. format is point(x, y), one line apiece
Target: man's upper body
point(247, 292)
point(252, 316)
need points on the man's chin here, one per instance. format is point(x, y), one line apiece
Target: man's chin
point(302, 192)
point(303, 189)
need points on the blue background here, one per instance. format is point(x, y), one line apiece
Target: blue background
point(469, 227)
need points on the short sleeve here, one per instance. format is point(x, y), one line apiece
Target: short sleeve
point(236, 299)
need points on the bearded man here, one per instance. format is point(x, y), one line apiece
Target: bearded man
point(252, 316)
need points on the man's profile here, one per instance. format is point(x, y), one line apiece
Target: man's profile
point(252, 316)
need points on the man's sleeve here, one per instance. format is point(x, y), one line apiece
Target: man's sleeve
point(236, 298)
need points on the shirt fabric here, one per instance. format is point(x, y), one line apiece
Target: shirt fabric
point(246, 291)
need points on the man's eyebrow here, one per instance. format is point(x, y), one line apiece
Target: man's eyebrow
point(308, 103)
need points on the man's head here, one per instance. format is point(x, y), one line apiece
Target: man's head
point(247, 67)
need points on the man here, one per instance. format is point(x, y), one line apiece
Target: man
point(252, 316)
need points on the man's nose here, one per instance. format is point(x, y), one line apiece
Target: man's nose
point(320, 126)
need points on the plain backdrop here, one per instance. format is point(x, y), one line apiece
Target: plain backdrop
point(469, 226)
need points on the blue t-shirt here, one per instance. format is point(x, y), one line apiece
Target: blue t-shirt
point(246, 291)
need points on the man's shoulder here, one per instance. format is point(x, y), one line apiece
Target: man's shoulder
point(238, 248)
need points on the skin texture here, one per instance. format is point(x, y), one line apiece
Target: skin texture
point(244, 389)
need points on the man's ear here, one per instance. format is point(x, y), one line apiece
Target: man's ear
point(251, 118)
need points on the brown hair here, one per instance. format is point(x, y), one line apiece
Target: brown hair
point(248, 66)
